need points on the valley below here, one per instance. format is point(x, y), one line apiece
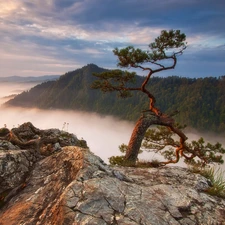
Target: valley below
point(103, 134)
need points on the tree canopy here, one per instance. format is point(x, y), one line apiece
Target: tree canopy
point(161, 55)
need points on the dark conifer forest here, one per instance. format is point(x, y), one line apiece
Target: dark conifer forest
point(200, 101)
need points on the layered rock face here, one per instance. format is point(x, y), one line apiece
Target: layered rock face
point(22, 147)
point(74, 186)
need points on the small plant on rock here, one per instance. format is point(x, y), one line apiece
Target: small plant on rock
point(216, 177)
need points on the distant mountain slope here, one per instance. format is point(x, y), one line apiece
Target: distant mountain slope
point(19, 79)
point(200, 101)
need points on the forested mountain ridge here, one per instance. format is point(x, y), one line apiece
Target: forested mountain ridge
point(200, 101)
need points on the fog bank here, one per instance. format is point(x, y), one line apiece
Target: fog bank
point(103, 134)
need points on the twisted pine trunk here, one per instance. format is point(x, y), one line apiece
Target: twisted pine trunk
point(155, 117)
point(143, 123)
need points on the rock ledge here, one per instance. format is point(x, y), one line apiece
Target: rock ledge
point(73, 186)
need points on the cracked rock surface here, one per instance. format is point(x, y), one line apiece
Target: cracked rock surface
point(74, 186)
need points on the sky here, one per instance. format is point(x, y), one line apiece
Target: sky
point(53, 37)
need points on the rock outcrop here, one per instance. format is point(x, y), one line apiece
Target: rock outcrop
point(21, 148)
point(43, 142)
point(74, 186)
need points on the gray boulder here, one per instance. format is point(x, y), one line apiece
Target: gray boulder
point(15, 167)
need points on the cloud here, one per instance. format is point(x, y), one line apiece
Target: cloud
point(81, 32)
point(7, 8)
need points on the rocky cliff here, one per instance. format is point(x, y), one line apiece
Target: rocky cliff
point(71, 185)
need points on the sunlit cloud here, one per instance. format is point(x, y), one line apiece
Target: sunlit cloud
point(8, 8)
point(81, 32)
